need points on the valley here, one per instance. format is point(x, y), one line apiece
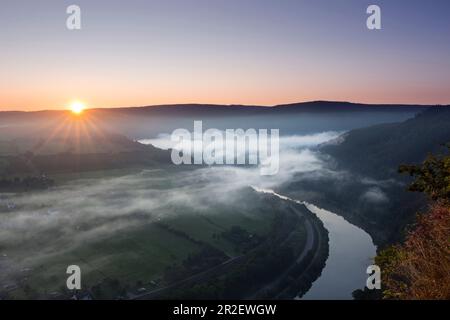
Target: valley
point(140, 227)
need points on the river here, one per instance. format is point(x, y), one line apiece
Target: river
point(351, 252)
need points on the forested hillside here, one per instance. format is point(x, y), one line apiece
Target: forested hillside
point(377, 151)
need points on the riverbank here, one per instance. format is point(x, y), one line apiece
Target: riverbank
point(351, 250)
point(289, 260)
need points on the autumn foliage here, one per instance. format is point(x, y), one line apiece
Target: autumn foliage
point(420, 267)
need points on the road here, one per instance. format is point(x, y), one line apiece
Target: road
point(195, 278)
point(311, 237)
point(310, 240)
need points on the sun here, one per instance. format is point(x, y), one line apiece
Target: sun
point(77, 107)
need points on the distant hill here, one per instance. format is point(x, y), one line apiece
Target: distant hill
point(66, 134)
point(113, 131)
point(378, 150)
point(334, 106)
point(72, 144)
point(373, 155)
point(149, 121)
point(215, 110)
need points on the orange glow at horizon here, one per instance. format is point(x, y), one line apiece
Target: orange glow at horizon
point(273, 94)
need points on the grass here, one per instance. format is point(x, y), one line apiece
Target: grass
point(142, 254)
point(138, 255)
point(206, 226)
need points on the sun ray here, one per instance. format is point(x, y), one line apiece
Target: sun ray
point(56, 131)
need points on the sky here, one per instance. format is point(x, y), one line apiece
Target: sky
point(264, 52)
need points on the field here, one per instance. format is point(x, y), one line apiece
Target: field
point(131, 258)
